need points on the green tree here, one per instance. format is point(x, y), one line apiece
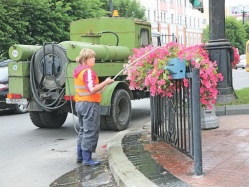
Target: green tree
point(206, 34)
point(246, 27)
point(235, 32)
point(126, 8)
point(12, 25)
point(36, 22)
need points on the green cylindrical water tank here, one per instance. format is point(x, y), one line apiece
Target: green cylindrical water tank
point(103, 52)
point(73, 49)
point(22, 52)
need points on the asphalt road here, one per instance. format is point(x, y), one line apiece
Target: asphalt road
point(33, 157)
point(240, 79)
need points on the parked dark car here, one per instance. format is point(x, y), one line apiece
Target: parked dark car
point(4, 90)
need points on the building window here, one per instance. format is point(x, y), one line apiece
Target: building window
point(185, 21)
point(190, 22)
point(164, 17)
point(180, 20)
point(161, 17)
point(148, 14)
point(154, 15)
point(172, 18)
point(194, 22)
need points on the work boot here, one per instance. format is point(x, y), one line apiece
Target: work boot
point(79, 154)
point(87, 159)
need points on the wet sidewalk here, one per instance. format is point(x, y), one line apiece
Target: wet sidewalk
point(87, 176)
point(136, 161)
point(225, 153)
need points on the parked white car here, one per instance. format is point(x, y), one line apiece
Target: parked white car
point(242, 62)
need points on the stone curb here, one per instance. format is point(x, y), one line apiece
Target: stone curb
point(232, 110)
point(124, 172)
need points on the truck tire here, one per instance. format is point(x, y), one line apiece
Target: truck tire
point(53, 119)
point(56, 56)
point(103, 124)
point(36, 119)
point(120, 110)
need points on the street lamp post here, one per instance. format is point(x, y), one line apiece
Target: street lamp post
point(220, 50)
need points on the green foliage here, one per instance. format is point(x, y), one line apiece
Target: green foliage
point(236, 33)
point(246, 27)
point(35, 22)
point(206, 34)
point(127, 8)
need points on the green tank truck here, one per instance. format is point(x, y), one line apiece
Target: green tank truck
point(41, 76)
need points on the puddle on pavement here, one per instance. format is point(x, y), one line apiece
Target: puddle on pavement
point(90, 176)
point(133, 148)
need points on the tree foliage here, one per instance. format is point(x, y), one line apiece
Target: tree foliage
point(126, 8)
point(246, 27)
point(35, 22)
point(236, 33)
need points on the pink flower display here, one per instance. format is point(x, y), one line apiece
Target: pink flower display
point(149, 73)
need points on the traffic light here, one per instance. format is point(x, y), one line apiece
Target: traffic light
point(197, 4)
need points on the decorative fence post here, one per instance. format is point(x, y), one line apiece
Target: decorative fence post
point(196, 116)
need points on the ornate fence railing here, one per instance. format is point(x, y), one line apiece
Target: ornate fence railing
point(177, 119)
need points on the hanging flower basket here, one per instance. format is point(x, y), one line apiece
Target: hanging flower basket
point(150, 73)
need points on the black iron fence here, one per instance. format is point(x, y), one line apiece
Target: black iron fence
point(177, 119)
point(166, 38)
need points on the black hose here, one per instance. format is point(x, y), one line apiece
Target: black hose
point(35, 94)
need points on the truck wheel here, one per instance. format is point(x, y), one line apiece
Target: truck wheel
point(103, 124)
point(53, 119)
point(36, 120)
point(120, 110)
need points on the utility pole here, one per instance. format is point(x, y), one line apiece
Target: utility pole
point(243, 15)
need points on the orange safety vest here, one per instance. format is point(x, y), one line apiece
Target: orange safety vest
point(82, 94)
